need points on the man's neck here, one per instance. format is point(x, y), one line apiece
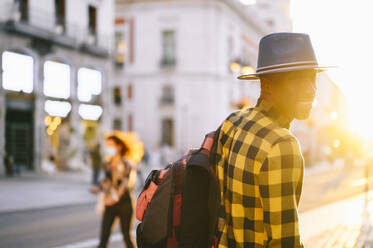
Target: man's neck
point(274, 111)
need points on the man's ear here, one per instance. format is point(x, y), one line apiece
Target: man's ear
point(266, 86)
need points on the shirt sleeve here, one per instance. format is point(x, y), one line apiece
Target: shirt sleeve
point(280, 183)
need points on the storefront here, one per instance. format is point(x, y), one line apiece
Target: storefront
point(57, 121)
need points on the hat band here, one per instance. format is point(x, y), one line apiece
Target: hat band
point(286, 65)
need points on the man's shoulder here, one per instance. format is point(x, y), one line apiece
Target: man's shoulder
point(253, 122)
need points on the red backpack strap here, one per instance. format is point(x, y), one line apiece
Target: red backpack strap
point(208, 141)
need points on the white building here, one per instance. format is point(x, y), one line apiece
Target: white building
point(177, 62)
point(55, 70)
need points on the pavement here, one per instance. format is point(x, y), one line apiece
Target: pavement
point(335, 211)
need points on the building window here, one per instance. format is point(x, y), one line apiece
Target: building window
point(89, 84)
point(120, 49)
point(92, 23)
point(56, 80)
point(129, 92)
point(117, 96)
point(117, 124)
point(22, 10)
point(168, 132)
point(130, 122)
point(167, 95)
point(18, 72)
point(169, 48)
point(59, 6)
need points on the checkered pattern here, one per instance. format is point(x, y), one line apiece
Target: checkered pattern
point(260, 172)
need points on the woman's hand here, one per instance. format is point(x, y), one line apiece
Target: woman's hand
point(111, 198)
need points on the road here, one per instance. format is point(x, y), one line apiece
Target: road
point(332, 206)
point(53, 227)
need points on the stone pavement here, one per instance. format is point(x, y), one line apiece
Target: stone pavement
point(344, 224)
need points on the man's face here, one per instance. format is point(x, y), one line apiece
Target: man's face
point(295, 93)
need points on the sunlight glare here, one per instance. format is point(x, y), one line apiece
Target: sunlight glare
point(339, 30)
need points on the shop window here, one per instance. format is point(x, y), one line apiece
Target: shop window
point(56, 80)
point(89, 84)
point(57, 108)
point(117, 124)
point(117, 95)
point(18, 72)
point(168, 132)
point(90, 112)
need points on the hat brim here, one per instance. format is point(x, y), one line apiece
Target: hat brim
point(256, 76)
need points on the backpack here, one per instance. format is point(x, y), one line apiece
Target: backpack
point(178, 206)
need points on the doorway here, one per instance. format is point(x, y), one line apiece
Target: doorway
point(19, 137)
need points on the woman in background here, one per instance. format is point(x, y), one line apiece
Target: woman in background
point(119, 181)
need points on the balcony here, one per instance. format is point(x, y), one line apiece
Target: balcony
point(45, 28)
point(40, 25)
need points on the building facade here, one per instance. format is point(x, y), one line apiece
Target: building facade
point(176, 64)
point(55, 60)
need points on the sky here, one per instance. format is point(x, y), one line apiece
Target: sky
point(342, 35)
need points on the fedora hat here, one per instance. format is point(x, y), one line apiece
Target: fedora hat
point(283, 52)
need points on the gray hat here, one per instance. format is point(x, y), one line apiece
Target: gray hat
point(282, 52)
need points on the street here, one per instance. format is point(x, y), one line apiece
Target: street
point(332, 215)
point(53, 227)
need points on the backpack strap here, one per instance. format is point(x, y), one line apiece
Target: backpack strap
point(208, 141)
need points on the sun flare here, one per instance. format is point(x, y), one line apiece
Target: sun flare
point(339, 30)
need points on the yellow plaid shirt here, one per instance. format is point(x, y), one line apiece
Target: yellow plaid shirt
point(260, 172)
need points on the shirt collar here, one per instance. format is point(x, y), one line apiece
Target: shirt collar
point(272, 112)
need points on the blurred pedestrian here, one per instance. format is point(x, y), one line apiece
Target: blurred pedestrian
point(96, 163)
point(259, 163)
point(120, 177)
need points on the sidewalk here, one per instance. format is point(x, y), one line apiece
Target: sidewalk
point(344, 224)
point(36, 191)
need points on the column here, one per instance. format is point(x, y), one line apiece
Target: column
point(77, 143)
point(40, 136)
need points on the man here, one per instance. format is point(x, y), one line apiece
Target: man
point(259, 162)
